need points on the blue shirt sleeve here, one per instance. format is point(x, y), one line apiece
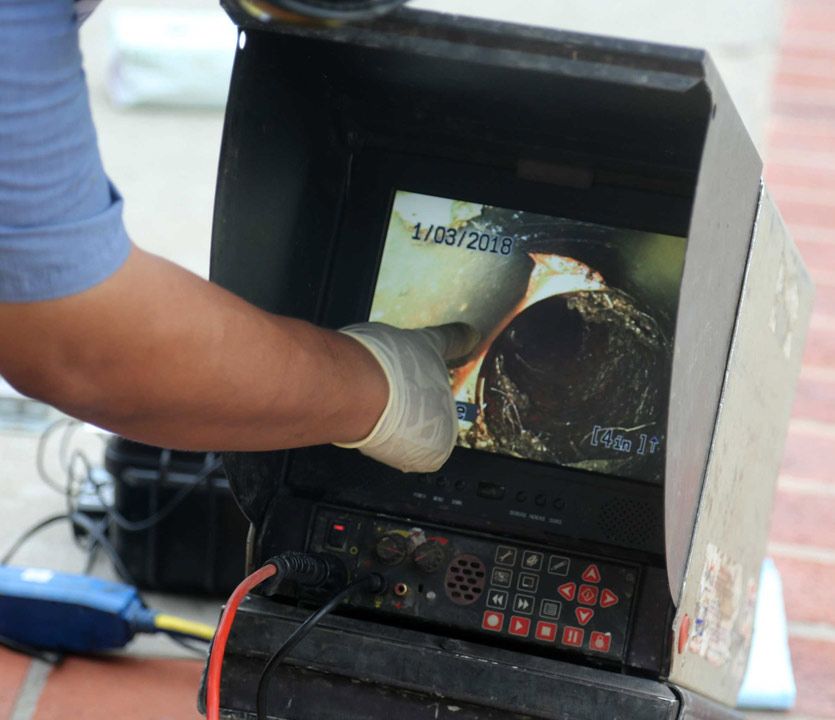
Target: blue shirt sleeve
point(61, 229)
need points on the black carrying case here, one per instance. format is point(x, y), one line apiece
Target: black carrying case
point(199, 545)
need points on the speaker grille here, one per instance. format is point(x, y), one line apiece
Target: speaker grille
point(629, 522)
point(465, 579)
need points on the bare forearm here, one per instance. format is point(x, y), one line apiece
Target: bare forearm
point(160, 355)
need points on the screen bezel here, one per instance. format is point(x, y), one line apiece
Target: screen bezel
point(376, 177)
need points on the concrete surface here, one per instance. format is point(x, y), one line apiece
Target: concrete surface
point(27, 500)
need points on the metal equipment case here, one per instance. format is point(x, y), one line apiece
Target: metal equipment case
point(655, 580)
point(195, 541)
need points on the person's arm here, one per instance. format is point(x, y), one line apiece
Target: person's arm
point(117, 336)
point(131, 342)
point(160, 355)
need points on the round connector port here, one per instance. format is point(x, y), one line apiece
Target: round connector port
point(401, 589)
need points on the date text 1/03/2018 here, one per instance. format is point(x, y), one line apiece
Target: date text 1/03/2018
point(459, 237)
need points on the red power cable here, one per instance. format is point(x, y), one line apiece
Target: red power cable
point(224, 627)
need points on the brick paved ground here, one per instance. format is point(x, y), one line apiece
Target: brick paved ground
point(800, 161)
point(800, 168)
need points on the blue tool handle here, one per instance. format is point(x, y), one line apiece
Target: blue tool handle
point(70, 613)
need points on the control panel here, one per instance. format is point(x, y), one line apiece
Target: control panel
point(488, 492)
point(521, 592)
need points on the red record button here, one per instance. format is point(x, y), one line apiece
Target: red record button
point(546, 631)
point(572, 636)
point(592, 574)
point(519, 626)
point(600, 642)
point(608, 598)
point(587, 595)
point(568, 590)
point(493, 621)
point(583, 615)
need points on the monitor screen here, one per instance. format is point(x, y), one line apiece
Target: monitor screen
point(576, 321)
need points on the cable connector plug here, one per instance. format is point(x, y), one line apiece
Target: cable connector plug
point(312, 571)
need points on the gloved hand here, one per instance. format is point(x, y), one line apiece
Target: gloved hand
point(419, 426)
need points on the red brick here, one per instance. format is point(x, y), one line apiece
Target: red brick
point(817, 195)
point(808, 590)
point(820, 194)
point(825, 297)
point(820, 342)
point(823, 314)
point(814, 17)
point(814, 666)
point(805, 66)
point(807, 45)
point(13, 667)
point(805, 519)
point(809, 456)
point(789, 133)
point(808, 212)
point(804, 75)
point(806, 103)
point(818, 256)
point(121, 687)
point(797, 175)
point(805, 164)
point(801, 172)
point(805, 16)
point(815, 398)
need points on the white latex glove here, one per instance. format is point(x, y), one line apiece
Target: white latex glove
point(419, 426)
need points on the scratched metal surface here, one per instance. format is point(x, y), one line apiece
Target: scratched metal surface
point(733, 520)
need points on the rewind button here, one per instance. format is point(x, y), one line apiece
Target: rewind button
point(497, 599)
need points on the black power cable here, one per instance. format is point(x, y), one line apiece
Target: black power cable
point(374, 582)
point(52, 658)
point(72, 483)
point(40, 454)
point(154, 519)
point(93, 529)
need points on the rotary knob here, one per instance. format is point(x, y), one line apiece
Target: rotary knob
point(430, 556)
point(392, 549)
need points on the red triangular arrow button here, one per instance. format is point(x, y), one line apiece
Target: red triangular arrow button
point(592, 574)
point(584, 615)
point(568, 590)
point(608, 598)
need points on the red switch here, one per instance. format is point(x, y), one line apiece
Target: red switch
point(568, 590)
point(572, 636)
point(583, 615)
point(608, 598)
point(546, 631)
point(519, 626)
point(493, 621)
point(592, 574)
point(337, 536)
point(600, 642)
point(587, 595)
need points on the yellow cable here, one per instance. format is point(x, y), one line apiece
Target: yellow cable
point(171, 623)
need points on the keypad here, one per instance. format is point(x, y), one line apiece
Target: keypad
point(524, 593)
point(572, 603)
